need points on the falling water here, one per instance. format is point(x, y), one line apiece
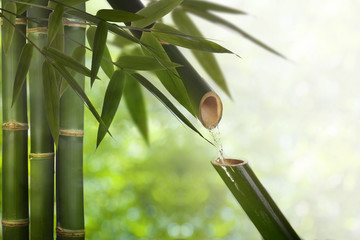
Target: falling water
point(215, 134)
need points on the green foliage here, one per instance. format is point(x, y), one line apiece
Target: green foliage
point(170, 35)
point(117, 15)
point(106, 62)
point(22, 70)
point(67, 61)
point(136, 105)
point(98, 49)
point(55, 23)
point(111, 101)
point(144, 63)
point(155, 11)
point(51, 98)
point(206, 59)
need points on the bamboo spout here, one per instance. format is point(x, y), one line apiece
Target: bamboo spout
point(255, 200)
point(210, 110)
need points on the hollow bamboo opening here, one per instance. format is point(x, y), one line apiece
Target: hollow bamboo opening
point(210, 110)
point(229, 162)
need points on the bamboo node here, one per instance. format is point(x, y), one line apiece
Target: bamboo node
point(70, 22)
point(15, 223)
point(72, 132)
point(37, 30)
point(15, 126)
point(163, 42)
point(62, 232)
point(41, 155)
point(18, 21)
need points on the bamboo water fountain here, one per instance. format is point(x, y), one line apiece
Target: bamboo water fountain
point(237, 174)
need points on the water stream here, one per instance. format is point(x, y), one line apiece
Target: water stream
point(215, 134)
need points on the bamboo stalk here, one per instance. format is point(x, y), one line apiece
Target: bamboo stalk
point(15, 210)
point(255, 200)
point(69, 164)
point(42, 145)
point(205, 102)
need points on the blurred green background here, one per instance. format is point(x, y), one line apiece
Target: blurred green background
point(296, 122)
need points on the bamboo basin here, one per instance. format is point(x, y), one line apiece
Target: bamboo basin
point(255, 200)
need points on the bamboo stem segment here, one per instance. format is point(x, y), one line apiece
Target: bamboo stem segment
point(69, 159)
point(15, 210)
point(42, 145)
point(255, 200)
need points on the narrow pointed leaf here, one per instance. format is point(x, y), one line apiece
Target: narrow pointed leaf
point(66, 60)
point(66, 3)
point(58, 44)
point(111, 102)
point(155, 11)
point(80, 92)
point(113, 28)
point(210, 6)
point(54, 25)
point(215, 19)
point(162, 98)
point(51, 96)
point(21, 8)
point(207, 60)
point(106, 65)
point(98, 49)
point(22, 70)
point(169, 77)
point(144, 63)
point(117, 15)
point(136, 105)
point(9, 21)
point(173, 36)
point(79, 55)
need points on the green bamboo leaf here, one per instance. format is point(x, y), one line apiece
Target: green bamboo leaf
point(144, 63)
point(170, 77)
point(98, 50)
point(111, 102)
point(22, 69)
point(66, 60)
point(173, 36)
point(53, 4)
point(167, 103)
point(117, 15)
point(106, 66)
point(207, 60)
point(58, 44)
point(55, 19)
point(9, 22)
point(136, 105)
point(78, 54)
point(154, 12)
point(209, 6)
point(21, 8)
point(113, 28)
point(52, 99)
point(213, 18)
point(80, 92)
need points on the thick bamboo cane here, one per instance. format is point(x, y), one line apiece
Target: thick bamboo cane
point(69, 161)
point(255, 200)
point(15, 210)
point(205, 102)
point(42, 145)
